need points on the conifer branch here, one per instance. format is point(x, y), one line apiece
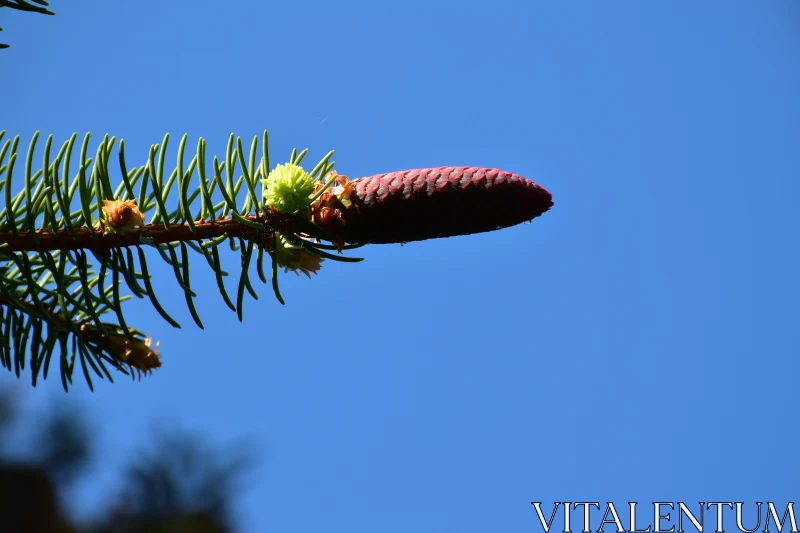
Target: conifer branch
point(71, 244)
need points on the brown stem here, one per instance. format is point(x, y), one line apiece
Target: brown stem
point(144, 358)
point(33, 309)
point(93, 239)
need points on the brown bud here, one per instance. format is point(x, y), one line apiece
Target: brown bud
point(122, 216)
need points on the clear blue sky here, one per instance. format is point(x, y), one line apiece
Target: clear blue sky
point(638, 342)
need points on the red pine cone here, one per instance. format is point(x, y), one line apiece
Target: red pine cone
point(430, 203)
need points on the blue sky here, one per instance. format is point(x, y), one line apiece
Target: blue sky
point(636, 343)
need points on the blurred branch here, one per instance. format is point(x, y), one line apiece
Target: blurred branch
point(64, 449)
point(22, 5)
point(179, 486)
point(176, 484)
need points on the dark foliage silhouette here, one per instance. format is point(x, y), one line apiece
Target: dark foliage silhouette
point(177, 486)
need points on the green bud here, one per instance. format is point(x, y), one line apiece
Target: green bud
point(288, 188)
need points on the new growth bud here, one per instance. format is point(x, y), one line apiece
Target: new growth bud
point(121, 216)
point(287, 189)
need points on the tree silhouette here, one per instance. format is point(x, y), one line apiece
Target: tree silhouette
point(177, 487)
